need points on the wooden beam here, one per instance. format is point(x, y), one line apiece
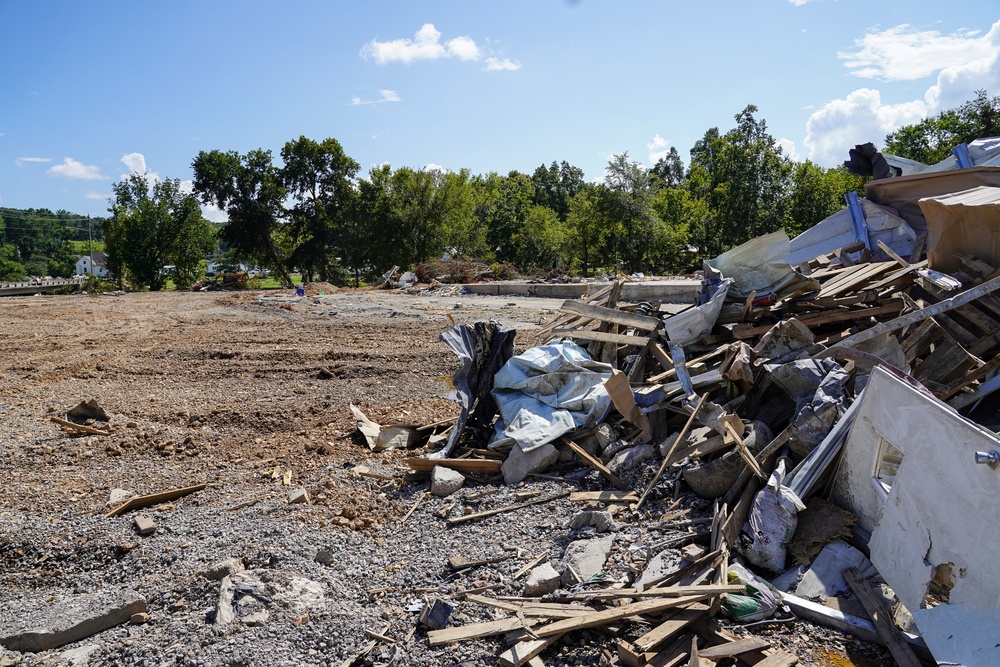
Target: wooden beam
point(737, 647)
point(615, 614)
point(510, 508)
point(622, 317)
point(522, 652)
point(602, 337)
point(594, 463)
point(461, 465)
point(474, 631)
point(880, 614)
point(671, 627)
point(154, 499)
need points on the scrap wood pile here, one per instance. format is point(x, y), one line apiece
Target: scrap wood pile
point(742, 399)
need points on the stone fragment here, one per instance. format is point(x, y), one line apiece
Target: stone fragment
point(324, 557)
point(118, 497)
point(48, 626)
point(445, 481)
point(693, 551)
point(600, 519)
point(520, 464)
point(298, 496)
point(631, 457)
point(77, 657)
point(824, 578)
point(585, 558)
point(144, 524)
point(250, 596)
point(662, 564)
point(542, 580)
point(221, 569)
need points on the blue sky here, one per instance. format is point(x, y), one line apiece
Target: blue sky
point(94, 90)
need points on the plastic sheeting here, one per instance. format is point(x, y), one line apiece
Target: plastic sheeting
point(548, 391)
point(482, 348)
point(837, 231)
point(967, 222)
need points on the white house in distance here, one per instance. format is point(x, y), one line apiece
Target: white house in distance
point(96, 265)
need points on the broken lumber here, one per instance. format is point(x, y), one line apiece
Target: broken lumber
point(509, 508)
point(614, 614)
point(602, 337)
point(734, 648)
point(461, 465)
point(139, 502)
point(604, 496)
point(880, 614)
point(622, 317)
point(594, 463)
point(79, 427)
point(474, 631)
point(673, 447)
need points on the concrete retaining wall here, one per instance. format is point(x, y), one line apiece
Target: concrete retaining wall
point(665, 291)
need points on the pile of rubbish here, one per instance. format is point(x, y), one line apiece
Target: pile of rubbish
point(807, 395)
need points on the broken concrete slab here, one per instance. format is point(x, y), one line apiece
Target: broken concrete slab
point(824, 579)
point(66, 620)
point(601, 520)
point(631, 457)
point(445, 481)
point(76, 657)
point(298, 496)
point(585, 558)
point(519, 464)
point(118, 496)
point(251, 595)
point(659, 566)
point(542, 580)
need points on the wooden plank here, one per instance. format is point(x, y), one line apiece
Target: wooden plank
point(737, 647)
point(461, 465)
point(615, 614)
point(530, 565)
point(79, 427)
point(665, 591)
point(745, 331)
point(919, 315)
point(603, 314)
point(154, 499)
point(602, 337)
point(509, 508)
point(594, 463)
point(671, 627)
point(474, 631)
point(604, 496)
point(964, 337)
point(675, 654)
point(970, 377)
point(778, 659)
point(858, 279)
point(889, 251)
point(882, 617)
point(522, 652)
point(695, 660)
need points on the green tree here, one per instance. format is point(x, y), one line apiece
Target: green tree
point(320, 177)
point(677, 212)
point(932, 139)
point(504, 204)
point(249, 189)
point(556, 185)
point(585, 228)
point(627, 194)
point(152, 228)
point(668, 171)
point(817, 193)
point(10, 270)
point(538, 242)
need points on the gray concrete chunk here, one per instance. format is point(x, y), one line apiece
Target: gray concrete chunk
point(541, 581)
point(70, 619)
point(520, 464)
point(445, 481)
point(585, 558)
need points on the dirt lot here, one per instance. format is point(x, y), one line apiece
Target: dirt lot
point(227, 389)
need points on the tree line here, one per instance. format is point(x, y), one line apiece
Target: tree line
point(311, 211)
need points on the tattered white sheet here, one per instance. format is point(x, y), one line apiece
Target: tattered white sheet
point(689, 325)
point(760, 265)
point(548, 391)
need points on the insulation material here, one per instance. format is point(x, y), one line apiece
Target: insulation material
point(967, 222)
point(837, 231)
point(760, 265)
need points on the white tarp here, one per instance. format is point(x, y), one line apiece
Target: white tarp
point(548, 391)
point(837, 231)
point(760, 265)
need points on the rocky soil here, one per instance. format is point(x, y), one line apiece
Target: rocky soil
point(249, 394)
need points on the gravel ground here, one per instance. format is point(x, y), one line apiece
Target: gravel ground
point(241, 392)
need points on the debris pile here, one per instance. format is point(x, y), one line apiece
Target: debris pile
point(719, 430)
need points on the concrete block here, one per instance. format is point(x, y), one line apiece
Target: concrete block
point(144, 524)
point(520, 464)
point(631, 457)
point(298, 497)
point(542, 580)
point(600, 519)
point(68, 620)
point(585, 558)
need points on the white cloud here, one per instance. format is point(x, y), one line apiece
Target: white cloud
point(71, 168)
point(502, 65)
point(383, 96)
point(798, 3)
point(425, 45)
point(136, 164)
point(837, 126)
point(463, 48)
point(97, 196)
point(904, 53)
point(435, 167)
point(211, 212)
point(21, 160)
point(788, 149)
point(658, 149)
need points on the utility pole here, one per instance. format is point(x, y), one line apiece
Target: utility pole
point(90, 240)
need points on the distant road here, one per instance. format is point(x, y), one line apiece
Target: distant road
point(38, 286)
